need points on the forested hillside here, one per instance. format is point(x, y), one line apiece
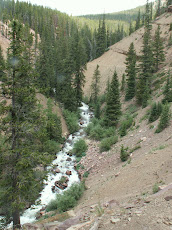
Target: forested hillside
point(64, 47)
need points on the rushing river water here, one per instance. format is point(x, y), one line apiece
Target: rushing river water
point(63, 164)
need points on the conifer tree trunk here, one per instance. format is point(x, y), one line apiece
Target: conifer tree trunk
point(16, 220)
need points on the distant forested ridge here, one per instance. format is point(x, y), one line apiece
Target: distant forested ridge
point(126, 15)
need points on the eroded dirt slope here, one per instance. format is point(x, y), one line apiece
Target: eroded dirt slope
point(114, 59)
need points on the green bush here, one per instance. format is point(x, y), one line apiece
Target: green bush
point(71, 120)
point(124, 154)
point(80, 147)
point(51, 147)
point(68, 199)
point(97, 132)
point(155, 111)
point(155, 188)
point(107, 142)
point(108, 132)
point(125, 124)
point(164, 119)
point(86, 174)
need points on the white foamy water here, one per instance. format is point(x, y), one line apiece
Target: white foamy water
point(63, 165)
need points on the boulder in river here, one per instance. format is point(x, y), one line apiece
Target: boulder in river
point(68, 159)
point(62, 183)
point(69, 153)
point(68, 172)
point(57, 170)
point(81, 122)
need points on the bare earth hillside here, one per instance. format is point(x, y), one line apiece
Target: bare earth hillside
point(115, 57)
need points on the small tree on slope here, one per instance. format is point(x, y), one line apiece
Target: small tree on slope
point(113, 105)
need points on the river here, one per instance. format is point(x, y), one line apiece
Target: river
point(63, 164)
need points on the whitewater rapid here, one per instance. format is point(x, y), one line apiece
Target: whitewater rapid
point(63, 165)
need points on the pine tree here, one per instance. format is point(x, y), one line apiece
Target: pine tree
point(131, 72)
point(22, 128)
point(95, 87)
point(113, 105)
point(101, 42)
point(124, 153)
point(158, 10)
point(123, 83)
point(158, 50)
point(131, 30)
point(155, 112)
point(168, 90)
point(80, 67)
point(146, 95)
point(2, 66)
point(138, 21)
point(146, 64)
point(164, 119)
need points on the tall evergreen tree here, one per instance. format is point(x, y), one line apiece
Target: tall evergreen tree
point(158, 9)
point(131, 30)
point(101, 42)
point(123, 83)
point(158, 49)
point(80, 67)
point(23, 126)
point(138, 21)
point(168, 89)
point(113, 105)
point(95, 87)
point(131, 72)
point(146, 64)
point(2, 65)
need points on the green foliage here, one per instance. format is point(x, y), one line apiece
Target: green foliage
point(79, 148)
point(2, 66)
point(170, 27)
point(125, 124)
point(95, 88)
point(155, 188)
point(158, 49)
point(51, 147)
point(168, 89)
point(23, 126)
point(124, 153)
point(155, 111)
point(68, 199)
point(135, 148)
point(71, 120)
point(113, 105)
point(86, 174)
point(123, 83)
point(107, 142)
point(54, 129)
point(101, 44)
point(99, 210)
point(170, 40)
point(97, 131)
point(164, 119)
point(97, 111)
point(131, 73)
point(146, 63)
